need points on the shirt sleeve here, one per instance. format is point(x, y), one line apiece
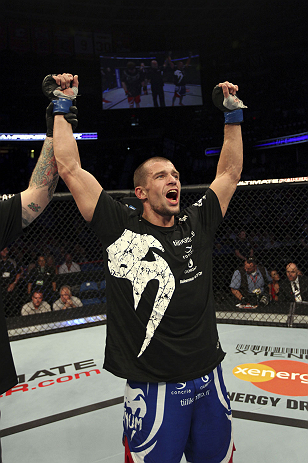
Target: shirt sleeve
point(109, 219)
point(236, 280)
point(209, 211)
point(57, 305)
point(77, 301)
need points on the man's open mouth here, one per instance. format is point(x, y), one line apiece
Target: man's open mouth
point(172, 195)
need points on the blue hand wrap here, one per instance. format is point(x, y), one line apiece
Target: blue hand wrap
point(62, 106)
point(234, 117)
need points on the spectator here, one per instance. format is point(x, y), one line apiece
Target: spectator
point(50, 262)
point(9, 279)
point(248, 283)
point(274, 286)
point(66, 300)
point(243, 248)
point(295, 288)
point(36, 306)
point(69, 266)
point(42, 278)
point(80, 253)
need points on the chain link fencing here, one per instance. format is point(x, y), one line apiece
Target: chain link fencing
point(267, 222)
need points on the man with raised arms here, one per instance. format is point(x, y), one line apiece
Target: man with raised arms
point(161, 329)
point(17, 213)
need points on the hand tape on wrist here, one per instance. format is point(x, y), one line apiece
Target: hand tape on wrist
point(232, 103)
point(58, 94)
point(61, 106)
point(234, 117)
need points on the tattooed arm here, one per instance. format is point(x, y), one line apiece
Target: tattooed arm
point(42, 184)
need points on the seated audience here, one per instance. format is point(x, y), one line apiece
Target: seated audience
point(249, 282)
point(66, 301)
point(69, 266)
point(37, 305)
point(43, 279)
point(295, 287)
point(274, 286)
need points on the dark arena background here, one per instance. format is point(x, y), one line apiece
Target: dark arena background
point(262, 47)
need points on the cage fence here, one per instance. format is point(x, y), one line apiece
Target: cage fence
point(265, 223)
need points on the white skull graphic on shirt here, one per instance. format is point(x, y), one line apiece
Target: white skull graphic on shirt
point(126, 260)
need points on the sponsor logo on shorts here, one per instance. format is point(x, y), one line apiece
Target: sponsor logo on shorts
point(191, 400)
point(180, 389)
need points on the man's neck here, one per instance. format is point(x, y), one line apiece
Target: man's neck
point(159, 220)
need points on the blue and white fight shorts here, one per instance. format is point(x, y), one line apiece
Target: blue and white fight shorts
point(163, 421)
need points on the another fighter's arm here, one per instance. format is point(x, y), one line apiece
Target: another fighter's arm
point(42, 185)
point(231, 158)
point(83, 186)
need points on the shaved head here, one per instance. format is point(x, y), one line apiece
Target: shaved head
point(140, 175)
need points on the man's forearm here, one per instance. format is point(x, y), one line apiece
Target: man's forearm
point(45, 173)
point(237, 294)
point(42, 184)
point(65, 146)
point(231, 156)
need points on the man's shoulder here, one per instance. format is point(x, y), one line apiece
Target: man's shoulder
point(45, 305)
point(238, 272)
point(28, 305)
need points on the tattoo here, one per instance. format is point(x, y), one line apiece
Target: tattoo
point(26, 217)
point(34, 207)
point(44, 178)
point(46, 171)
point(52, 186)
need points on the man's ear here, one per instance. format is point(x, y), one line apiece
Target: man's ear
point(140, 193)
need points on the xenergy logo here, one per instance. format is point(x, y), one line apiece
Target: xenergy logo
point(283, 377)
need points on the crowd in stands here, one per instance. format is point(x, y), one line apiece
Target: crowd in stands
point(252, 286)
point(34, 282)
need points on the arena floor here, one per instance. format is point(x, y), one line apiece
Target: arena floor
point(66, 409)
point(116, 99)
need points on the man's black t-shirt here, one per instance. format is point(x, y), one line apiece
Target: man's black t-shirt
point(42, 279)
point(7, 273)
point(10, 229)
point(179, 77)
point(161, 317)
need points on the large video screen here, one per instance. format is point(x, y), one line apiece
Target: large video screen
point(147, 80)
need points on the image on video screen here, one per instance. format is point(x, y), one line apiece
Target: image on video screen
point(147, 80)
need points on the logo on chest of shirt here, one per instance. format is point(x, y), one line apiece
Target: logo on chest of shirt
point(191, 267)
point(133, 257)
